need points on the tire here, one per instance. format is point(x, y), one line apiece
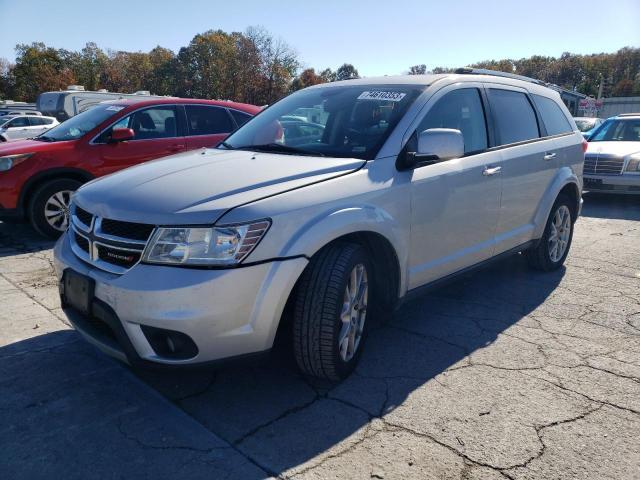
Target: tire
point(318, 307)
point(541, 257)
point(60, 188)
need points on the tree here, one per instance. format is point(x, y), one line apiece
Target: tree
point(418, 69)
point(307, 78)
point(88, 65)
point(39, 69)
point(346, 72)
point(6, 78)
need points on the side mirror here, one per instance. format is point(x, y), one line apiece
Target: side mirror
point(435, 145)
point(122, 134)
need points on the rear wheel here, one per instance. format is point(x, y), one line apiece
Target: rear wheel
point(49, 207)
point(331, 311)
point(553, 248)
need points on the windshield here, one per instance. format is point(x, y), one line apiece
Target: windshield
point(585, 124)
point(344, 121)
point(77, 126)
point(618, 130)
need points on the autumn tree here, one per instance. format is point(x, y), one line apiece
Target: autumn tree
point(418, 69)
point(347, 72)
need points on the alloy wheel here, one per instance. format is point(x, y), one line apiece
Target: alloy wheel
point(56, 210)
point(560, 233)
point(354, 312)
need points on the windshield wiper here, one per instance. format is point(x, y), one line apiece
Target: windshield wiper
point(279, 148)
point(228, 146)
point(44, 138)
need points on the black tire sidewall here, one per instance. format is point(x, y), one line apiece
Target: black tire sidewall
point(344, 369)
point(40, 197)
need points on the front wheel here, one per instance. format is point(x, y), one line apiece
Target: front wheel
point(553, 248)
point(331, 311)
point(49, 206)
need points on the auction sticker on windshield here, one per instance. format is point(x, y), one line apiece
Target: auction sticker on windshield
point(378, 95)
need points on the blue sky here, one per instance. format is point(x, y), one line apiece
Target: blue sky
point(377, 37)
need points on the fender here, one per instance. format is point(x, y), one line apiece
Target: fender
point(75, 173)
point(564, 176)
point(333, 224)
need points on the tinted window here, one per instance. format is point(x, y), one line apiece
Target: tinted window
point(36, 121)
point(514, 116)
point(204, 120)
point(19, 122)
point(554, 120)
point(147, 124)
point(240, 117)
point(615, 130)
point(462, 110)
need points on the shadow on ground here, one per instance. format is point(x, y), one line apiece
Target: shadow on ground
point(18, 238)
point(281, 420)
point(602, 205)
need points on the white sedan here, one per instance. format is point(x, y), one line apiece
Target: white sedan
point(24, 126)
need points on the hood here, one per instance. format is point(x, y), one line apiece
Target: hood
point(618, 149)
point(27, 146)
point(198, 187)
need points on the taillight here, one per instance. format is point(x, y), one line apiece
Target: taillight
point(585, 144)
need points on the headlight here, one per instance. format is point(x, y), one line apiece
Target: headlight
point(633, 165)
point(9, 161)
point(224, 245)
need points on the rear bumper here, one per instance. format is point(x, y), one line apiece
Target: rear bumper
point(227, 313)
point(624, 184)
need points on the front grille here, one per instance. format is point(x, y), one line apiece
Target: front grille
point(118, 256)
point(82, 242)
point(603, 165)
point(134, 231)
point(93, 240)
point(84, 216)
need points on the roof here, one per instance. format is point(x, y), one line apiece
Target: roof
point(142, 102)
point(429, 79)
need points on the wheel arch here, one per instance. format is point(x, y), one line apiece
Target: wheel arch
point(39, 179)
point(565, 182)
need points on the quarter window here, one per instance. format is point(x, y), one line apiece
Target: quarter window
point(461, 110)
point(514, 116)
point(204, 120)
point(240, 117)
point(554, 120)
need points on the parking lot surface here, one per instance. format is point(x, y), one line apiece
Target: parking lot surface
point(505, 373)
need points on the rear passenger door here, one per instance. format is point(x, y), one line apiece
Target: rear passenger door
point(207, 125)
point(38, 125)
point(529, 163)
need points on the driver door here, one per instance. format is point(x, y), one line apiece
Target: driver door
point(158, 133)
point(454, 204)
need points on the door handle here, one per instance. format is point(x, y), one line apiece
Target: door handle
point(488, 171)
point(549, 156)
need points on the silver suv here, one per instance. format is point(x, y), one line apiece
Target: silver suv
point(397, 183)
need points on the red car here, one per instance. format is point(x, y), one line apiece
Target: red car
point(38, 176)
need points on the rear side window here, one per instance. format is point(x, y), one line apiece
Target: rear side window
point(240, 117)
point(37, 121)
point(514, 116)
point(462, 110)
point(554, 120)
point(204, 120)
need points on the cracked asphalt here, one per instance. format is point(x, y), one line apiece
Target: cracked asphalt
point(505, 373)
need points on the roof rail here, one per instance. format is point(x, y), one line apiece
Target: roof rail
point(629, 115)
point(496, 73)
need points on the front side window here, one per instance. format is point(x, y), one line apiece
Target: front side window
point(19, 122)
point(514, 116)
point(461, 110)
point(147, 124)
point(554, 120)
point(618, 131)
point(82, 123)
point(335, 121)
point(204, 120)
